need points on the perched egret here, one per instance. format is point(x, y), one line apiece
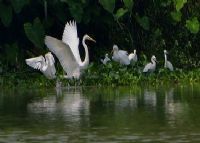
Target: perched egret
point(67, 50)
point(106, 59)
point(167, 64)
point(133, 57)
point(120, 56)
point(150, 67)
point(45, 65)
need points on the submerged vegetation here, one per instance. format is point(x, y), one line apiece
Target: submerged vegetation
point(147, 26)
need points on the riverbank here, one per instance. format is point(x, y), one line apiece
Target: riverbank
point(108, 75)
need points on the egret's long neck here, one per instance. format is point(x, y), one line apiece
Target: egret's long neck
point(165, 60)
point(85, 63)
point(153, 62)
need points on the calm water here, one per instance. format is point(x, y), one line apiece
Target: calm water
point(111, 115)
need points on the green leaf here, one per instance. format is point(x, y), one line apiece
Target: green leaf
point(5, 14)
point(76, 8)
point(128, 4)
point(176, 15)
point(77, 14)
point(120, 12)
point(59, 11)
point(108, 5)
point(193, 25)
point(18, 5)
point(179, 4)
point(11, 53)
point(143, 21)
point(35, 32)
point(165, 3)
point(157, 33)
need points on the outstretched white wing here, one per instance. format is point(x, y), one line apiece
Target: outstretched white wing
point(35, 63)
point(64, 55)
point(70, 38)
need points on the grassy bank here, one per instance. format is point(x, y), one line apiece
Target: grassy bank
point(102, 75)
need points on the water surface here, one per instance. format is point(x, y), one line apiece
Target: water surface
point(110, 115)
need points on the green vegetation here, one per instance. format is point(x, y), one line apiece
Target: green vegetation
point(148, 26)
point(111, 74)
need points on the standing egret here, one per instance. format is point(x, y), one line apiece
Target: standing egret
point(120, 56)
point(106, 59)
point(150, 67)
point(133, 57)
point(45, 65)
point(167, 64)
point(67, 50)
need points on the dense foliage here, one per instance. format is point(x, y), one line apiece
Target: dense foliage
point(146, 25)
point(111, 74)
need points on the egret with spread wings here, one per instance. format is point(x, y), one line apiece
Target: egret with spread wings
point(67, 50)
point(45, 65)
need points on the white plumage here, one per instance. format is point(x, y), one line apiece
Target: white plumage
point(105, 60)
point(150, 67)
point(167, 64)
point(133, 57)
point(120, 56)
point(67, 50)
point(70, 37)
point(45, 65)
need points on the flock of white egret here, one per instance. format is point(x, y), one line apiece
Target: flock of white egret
point(67, 52)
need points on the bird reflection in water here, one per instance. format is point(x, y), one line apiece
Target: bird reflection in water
point(63, 102)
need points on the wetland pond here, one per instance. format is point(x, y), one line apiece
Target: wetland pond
point(101, 114)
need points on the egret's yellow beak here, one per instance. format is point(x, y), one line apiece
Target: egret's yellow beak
point(91, 39)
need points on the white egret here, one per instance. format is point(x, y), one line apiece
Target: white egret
point(167, 64)
point(106, 59)
point(150, 67)
point(133, 57)
point(67, 50)
point(45, 65)
point(120, 56)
